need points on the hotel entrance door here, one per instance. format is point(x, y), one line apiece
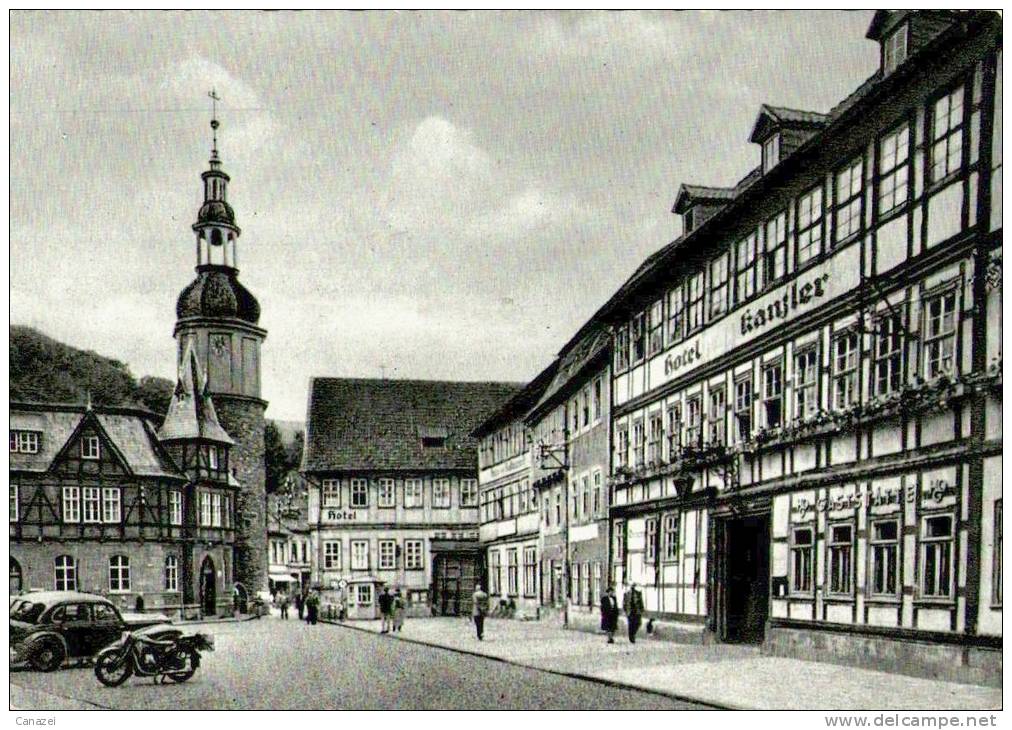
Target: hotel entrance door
point(741, 585)
point(453, 582)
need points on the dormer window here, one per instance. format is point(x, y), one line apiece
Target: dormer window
point(771, 153)
point(24, 442)
point(687, 220)
point(433, 437)
point(433, 442)
point(89, 447)
point(894, 50)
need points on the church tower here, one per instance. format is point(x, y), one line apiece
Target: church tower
point(217, 317)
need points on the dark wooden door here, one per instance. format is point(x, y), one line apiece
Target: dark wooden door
point(454, 579)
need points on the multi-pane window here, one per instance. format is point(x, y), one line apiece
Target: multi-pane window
point(996, 560)
point(619, 537)
point(651, 540)
point(332, 555)
point(694, 421)
point(359, 493)
point(119, 573)
point(806, 383)
point(743, 407)
point(656, 439)
point(171, 573)
point(558, 506)
point(841, 558)
point(894, 50)
point(386, 493)
point(715, 416)
point(885, 554)
point(718, 285)
point(638, 443)
point(598, 391)
point(585, 496)
point(621, 349)
point(512, 570)
point(595, 589)
point(670, 537)
point(90, 447)
point(937, 542)
point(360, 555)
point(773, 394)
point(494, 572)
point(413, 555)
point(639, 337)
point(216, 504)
point(331, 493)
point(24, 442)
point(676, 314)
point(746, 258)
point(175, 507)
point(775, 250)
point(655, 337)
point(65, 573)
point(940, 335)
point(92, 500)
point(110, 504)
point(585, 402)
point(387, 554)
point(771, 153)
point(802, 559)
point(809, 226)
point(598, 493)
point(847, 191)
point(71, 504)
point(441, 492)
point(413, 492)
point(888, 354)
point(363, 594)
point(674, 430)
point(530, 571)
point(694, 302)
point(205, 509)
point(947, 135)
point(469, 493)
point(547, 516)
point(14, 502)
point(846, 349)
point(893, 170)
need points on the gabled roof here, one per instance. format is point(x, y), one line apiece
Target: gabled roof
point(518, 406)
point(191, 413)
point(130, 431)
point(572, 366)
point(775, 117)
point(357, 424)
point(689, 195)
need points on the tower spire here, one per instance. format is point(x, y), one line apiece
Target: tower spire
point(215, 162)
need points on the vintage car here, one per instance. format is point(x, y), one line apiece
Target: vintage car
point(49, 627)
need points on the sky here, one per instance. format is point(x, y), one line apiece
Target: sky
point(444, 195)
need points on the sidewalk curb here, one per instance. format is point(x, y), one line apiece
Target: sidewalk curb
point(559, 673)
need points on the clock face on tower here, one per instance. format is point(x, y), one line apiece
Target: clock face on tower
point(219, 345)
point(220, 362)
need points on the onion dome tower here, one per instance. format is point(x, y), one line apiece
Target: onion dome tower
point(217, 317)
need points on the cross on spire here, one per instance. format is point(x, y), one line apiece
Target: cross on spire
point(214, 120)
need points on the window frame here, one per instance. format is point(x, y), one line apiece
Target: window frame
point(771, 152)
point(807, 551)
point(893, 546)
point(390, 485)
point(71, 505)
point(468, 492)
point(359, 488)
point(804, 406)
point(847, 203)
point(676, 314)
point(716, 416)
point(957, 130)
point(670, 530)
point(65, 571)
point(91, 505)
point(651, 542)
point(622, 350)
point(655, 330)
point(355, 561)
point(512, 572)
point(846, 369)
point(902, 133)
point(24, 441)
point(891, 59)
point(171, 576)
point(119, 573)
point(924, 543)
point(719, 274)
point(813, 229)
point(414, 493)
point(386, 554)
point(747, 265)
point(742, 409)
point(15, 507)
point(693, 421)
point(779, 397)
point(112, 511)
point(330, 490)
point(175, 507)
point(931, 340)
point(837, 549)
point(774, 249)
point(91, 447)
point(695, 299)
point(638, 338)
point(894, 359)
point(414, 554)
point(441, 503)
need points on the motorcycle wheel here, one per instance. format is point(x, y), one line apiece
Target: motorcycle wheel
point(46, 656)
point(189, 659)
point(111, 670)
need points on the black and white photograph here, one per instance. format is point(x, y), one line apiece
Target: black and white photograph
point(505, 360)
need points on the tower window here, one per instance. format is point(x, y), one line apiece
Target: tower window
point(771, 153)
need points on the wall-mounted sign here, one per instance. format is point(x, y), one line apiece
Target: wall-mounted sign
point(855, 499)
point(936, 490)
point(339, 515)
point(794, 297)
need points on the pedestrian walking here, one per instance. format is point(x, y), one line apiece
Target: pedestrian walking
point(633, 606)
point(398, 610)
point(284, 606)
point(312, 607)
point(386, 605)
point(299, 604)
point(609, 614)
point(479, 610)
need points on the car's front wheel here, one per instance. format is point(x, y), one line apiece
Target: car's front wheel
point(46, 655)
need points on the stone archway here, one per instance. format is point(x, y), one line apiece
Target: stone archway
point(208, 587)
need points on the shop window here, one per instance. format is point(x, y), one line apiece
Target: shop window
point(775, 250)
point(847, 193)
point(387, 554)
point(670, 537)
point(746, 278)
point(655, 340)
point(639, 444)
point(676, 315)
point(694, 426)
point(743, 407)
point(937, 541)
point(885, 554)
point(841, 563)
point(773, 394)
point(718, 285)
point(639, 337)
point(802, 559)
point(806, 383)
point(359, 493)
point(809, 226)
point(888, 354)
point(656, 439)
point(621, 349)
point(893, 170)
point(716, 416)
point(846, 349)
point(940, 335)
point(674, 430)
point(996, 571)
point(694, 303)
point(947, 135)
point(651, 540)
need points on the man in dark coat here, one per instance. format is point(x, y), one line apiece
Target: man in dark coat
point(609, 614)
point(633, 606)
point(298, 603)
point(386, 606)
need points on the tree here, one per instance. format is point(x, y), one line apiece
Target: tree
point(155, 393)
point(275, 456)
point(294, 450)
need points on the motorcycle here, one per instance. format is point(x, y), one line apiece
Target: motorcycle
point(157, 651)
